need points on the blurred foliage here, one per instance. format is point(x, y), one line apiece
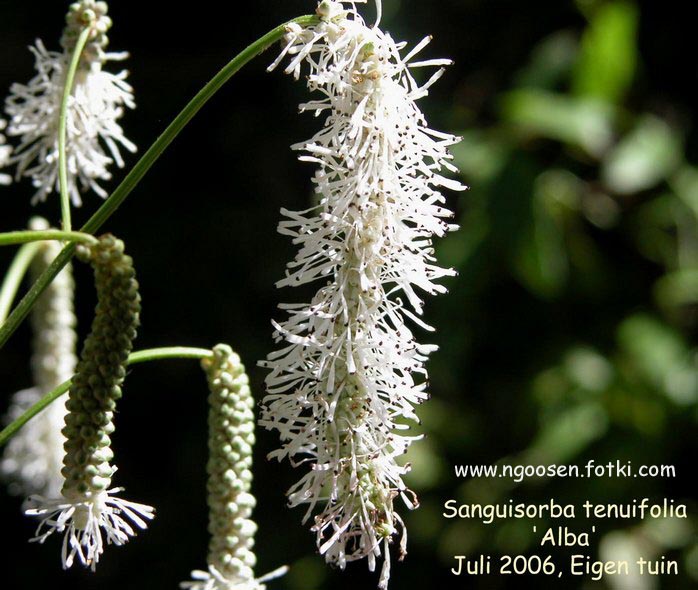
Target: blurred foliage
point(579, 195)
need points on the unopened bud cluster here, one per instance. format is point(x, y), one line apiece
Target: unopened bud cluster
point(93, 16)
point(89, 512)
point(231, 438)
point(231, 420)
point(101, 370)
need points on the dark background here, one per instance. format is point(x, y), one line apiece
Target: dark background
point(569, 334)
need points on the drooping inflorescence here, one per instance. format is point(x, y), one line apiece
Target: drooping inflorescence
point(231, 421)
point(32, 460)
point(89, 512)
point(98, 100)
point(343, 386)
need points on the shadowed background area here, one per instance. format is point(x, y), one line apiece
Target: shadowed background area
point(569, 335)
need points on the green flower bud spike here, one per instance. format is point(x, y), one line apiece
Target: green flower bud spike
point(231, 421)
point(89, 512)
point(32, 460)
point(92, 15)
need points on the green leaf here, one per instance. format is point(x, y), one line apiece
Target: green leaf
point(609, 54)
point(653, 227)
point(479, 156)
point(583, 123)
point(677, 289)
point(685, 183)
point(646, 156)
point(542, 261)
point(567, 434)
point(588, 369)
point(428, 465)
point(660, 355)
point(551, 61)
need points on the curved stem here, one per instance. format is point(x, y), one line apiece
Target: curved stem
point(172, 352)
point(141, 356)
point(138, 171)
point(63, 127)
point(181, 120)
point(23, 308)
point(26, 236)
point(13, 428)
point(14, 276)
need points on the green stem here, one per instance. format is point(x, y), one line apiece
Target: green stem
point(172, 352)
point(14, 276)
point(63, 127)
point(141, 356)
point(143, 165)
point(26, 236)
point(23, 308)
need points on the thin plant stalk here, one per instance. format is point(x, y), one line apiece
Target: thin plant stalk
point(26, 236)
point(15, 275)
point(138, 357)
point(63, 128)
point(143, 165)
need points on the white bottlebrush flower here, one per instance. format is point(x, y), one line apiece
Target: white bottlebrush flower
point(33, 459)
point(94, 137)
point(342, 388)
point(231, 421)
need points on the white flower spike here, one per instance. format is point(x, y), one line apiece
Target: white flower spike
point(88, 521)
point(344, 384)
point(94, 136)
point(32, 460)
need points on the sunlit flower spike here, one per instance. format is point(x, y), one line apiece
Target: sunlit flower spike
point(343, 386)
point(97, 103)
